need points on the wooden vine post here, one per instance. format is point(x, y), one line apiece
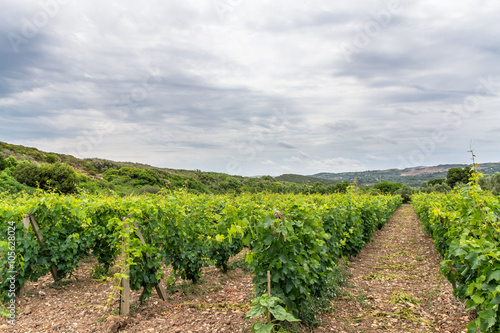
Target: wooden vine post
point(269, 294)
point(159, 287)
point(26, 224)
point(36, 229)
point(125, 282)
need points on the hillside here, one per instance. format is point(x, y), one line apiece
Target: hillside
point(411, 176)
point(309, 180)
point(131, 178)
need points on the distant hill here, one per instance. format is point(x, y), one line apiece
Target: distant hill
point(411, 176)
point(308, 180)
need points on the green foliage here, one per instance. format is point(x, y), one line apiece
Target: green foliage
point(303, 240)
point(51, 158)
point(27, 173)
point(464, 226)
point(137, 177)
point(437, 181)
point(264, 304)
point(11, 162)
point(491, 183)
point(59, 177)
point(89, 185)
point(458, 175)
point(3, 163)
point(10, 184)
point(300, 246)
point(340, 187)
point(388, 187)
point(443, 187)
point(405, 192)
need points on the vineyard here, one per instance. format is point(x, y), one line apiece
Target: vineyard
point(466, 232)
point(291, 244)
point(298, 239)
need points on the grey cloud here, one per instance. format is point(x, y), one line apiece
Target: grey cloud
point(286, 145)
point(342, 125)
point(380, 139)
point(217, 82)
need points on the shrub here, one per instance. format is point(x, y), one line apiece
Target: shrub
point(388, 187)
point(59, 177)
point(9, 183)
point(27, 173)
point(51, 158)
point(406, 191)
point(3, 163)
point(11, 162)
point(132, 176)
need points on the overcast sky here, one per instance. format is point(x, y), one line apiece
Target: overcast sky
point(254, 87)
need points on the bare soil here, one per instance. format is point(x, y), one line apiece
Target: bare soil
point(395, 286)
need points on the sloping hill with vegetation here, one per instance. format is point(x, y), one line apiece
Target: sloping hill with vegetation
point(309, 180)
point(26, 168)
point(410, 176)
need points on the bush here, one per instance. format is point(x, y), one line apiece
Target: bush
point(58, 177)
point(388, 187)
point(3, 163)
point(11, 162)
point(406, 192)
point(132, 176)
point(9, 183)
point(491, 183)
point(51, 158)
point(27, 173)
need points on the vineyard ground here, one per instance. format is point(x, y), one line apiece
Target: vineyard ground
point(395, 286)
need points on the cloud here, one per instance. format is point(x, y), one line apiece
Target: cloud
point(177, 84)
point(372, 157)
point(286, 145)
point(342, 125)
point(339, 164)
point(294, 160)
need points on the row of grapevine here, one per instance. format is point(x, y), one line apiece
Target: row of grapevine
point(298, 238)
point(466, 232)
point(301, 248)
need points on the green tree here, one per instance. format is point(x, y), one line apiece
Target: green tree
point(340, 187)
point(388, 187)
point(458, 175)
point(491, 183)
point(437, 181)
point(405, 192)
point(495, 183)
point(318, 187)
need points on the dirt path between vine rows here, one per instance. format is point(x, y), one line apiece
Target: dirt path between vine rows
point(396, 285)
